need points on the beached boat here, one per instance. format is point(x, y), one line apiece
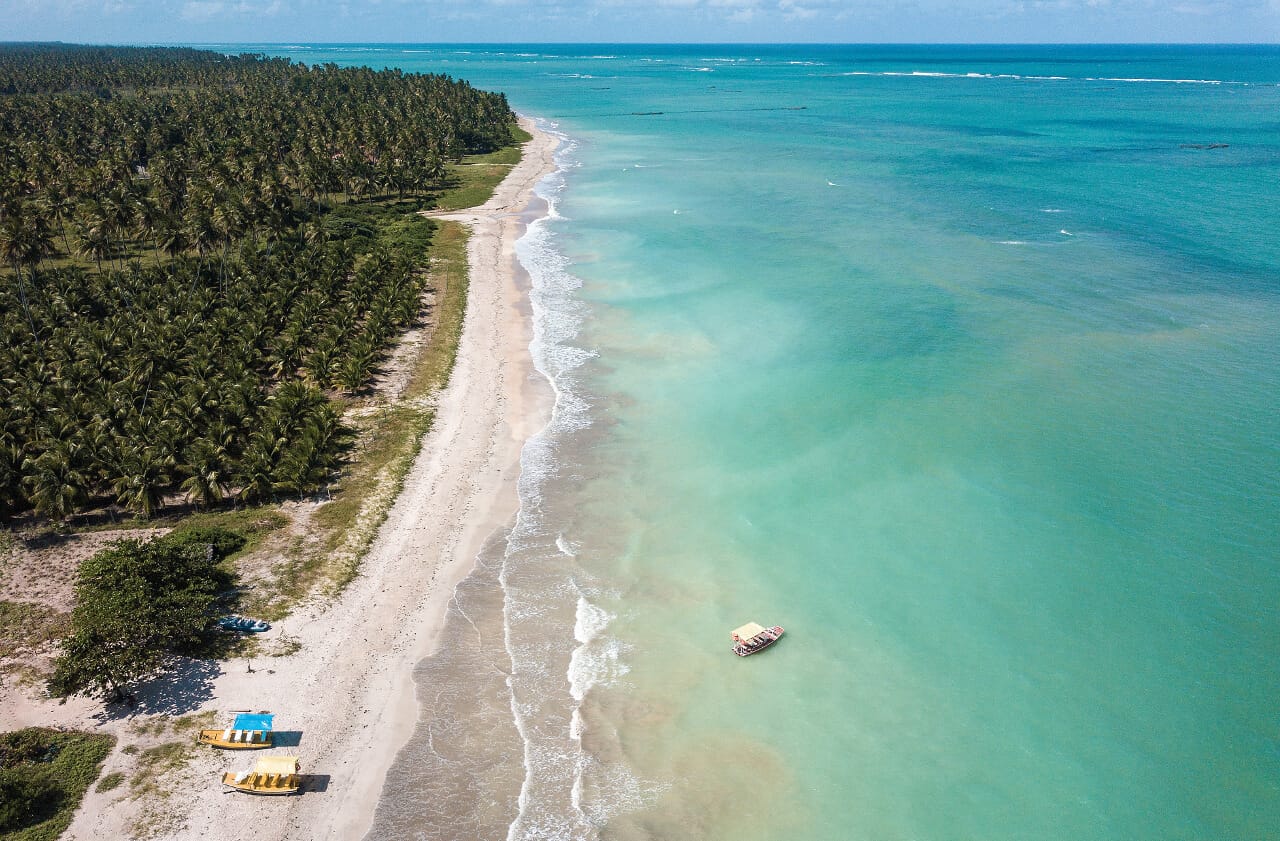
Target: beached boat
point(272, 775)
point(243, 624)
point(751, 638)
point(248, 730)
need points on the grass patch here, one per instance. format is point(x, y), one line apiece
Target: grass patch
point(253, 524)
point(157, 768)
point(284, 646)
point(519, 136)
point(44, 774)
point(154, 763)
point(110, 782)
point(162, 724)
point(25, 628)
point(471, 181)
point(157, 761)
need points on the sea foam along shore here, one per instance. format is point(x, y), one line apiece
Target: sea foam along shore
point(349, 690)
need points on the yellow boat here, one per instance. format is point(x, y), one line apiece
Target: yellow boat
point(247, 731)
point(272, 775)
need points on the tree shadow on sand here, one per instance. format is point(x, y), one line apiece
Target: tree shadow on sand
point(183, 688)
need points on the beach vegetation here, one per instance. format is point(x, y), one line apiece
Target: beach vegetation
point(138, 604)
point(206, 256)
point(26, 627)
point(472, 180)
point(342, 529)
point(44, 774)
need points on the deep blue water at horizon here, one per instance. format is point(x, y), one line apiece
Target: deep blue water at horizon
point(963, 364)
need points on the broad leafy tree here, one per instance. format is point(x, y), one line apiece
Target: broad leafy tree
point(138, 604)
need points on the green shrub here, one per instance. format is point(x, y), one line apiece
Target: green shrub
point(137, 604)
point(224, 542)
point(44, 774)
point(26, 801)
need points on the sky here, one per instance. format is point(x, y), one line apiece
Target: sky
point(652, 21)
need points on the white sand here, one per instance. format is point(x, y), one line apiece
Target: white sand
point(350, 688)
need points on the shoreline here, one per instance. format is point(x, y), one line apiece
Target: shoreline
point(496, 328)
point(349, 694)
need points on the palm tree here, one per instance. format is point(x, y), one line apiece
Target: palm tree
point(144, 379)
point(208, 473)
point(25, 240)
point(170, 236)
point(141, 476)
point(57, 203)
point(255, 474)
point(93, 235)
point(55, 484)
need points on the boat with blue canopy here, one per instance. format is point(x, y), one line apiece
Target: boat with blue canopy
point(248, 730)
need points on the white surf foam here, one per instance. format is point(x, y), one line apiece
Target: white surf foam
point(565, 793)
point(932, 74)
point(598, 659)
point(556, 320)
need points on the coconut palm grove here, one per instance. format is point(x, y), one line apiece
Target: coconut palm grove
point(203, 252)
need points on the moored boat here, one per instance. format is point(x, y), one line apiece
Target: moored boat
point(751, 638)
point(243, 624)
point(248, 730)
point(272, 775)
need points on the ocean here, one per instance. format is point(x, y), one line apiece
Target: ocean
point(960, 363)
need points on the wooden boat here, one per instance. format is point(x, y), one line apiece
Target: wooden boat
point(247, 731)
point(272, 775)
point(751, 638)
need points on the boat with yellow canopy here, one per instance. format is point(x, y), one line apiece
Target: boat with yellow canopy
point(272, 775)
point(751, 638)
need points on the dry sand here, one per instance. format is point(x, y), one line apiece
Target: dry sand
point(350, 689)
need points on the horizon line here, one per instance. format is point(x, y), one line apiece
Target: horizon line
point(301, 42)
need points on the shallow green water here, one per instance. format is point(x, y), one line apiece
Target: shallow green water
point(971, 382)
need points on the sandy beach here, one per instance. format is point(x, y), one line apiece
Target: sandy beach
point(348, 694)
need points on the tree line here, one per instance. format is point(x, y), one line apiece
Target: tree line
point(193, 270)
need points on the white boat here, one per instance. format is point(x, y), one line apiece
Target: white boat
point(751, 638)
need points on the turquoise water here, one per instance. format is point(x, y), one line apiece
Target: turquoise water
point(962, 364)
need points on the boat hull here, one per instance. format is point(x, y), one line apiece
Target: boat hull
point(256, 740)
point(755, 647)
point(290, 786)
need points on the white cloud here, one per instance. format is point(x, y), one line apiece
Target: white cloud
point(205, 10)
point(791, 10)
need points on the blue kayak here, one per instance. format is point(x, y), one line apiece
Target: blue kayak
point(243, 624)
